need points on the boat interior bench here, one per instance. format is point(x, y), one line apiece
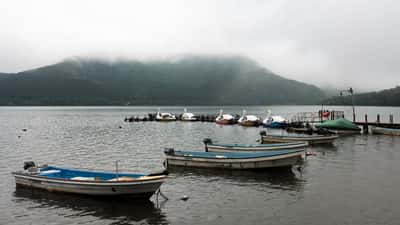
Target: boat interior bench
point(54, 172)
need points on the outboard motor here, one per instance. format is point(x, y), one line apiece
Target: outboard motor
point(207, 141)
point(262, 133)
point(29, 164)
point(169, 151)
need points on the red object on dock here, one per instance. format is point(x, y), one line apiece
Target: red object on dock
point(326, 114)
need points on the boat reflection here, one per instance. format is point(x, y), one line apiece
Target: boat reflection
point(119, 210)
point(284, 179)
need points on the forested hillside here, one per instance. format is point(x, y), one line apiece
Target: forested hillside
point(189, 81)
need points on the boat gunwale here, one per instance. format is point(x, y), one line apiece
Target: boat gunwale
point(298, 153)
point(386, 129)
point(260, 146)
point(305, 138)
point(150, 179)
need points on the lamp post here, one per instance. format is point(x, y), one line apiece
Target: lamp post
point(351, 92)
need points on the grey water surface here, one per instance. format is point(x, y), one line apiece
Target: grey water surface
point(355, 181)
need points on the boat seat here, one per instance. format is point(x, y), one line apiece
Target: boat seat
point(122, 179)
point(47, 172)
point(83, 178)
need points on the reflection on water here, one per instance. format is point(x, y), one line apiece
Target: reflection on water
point(354, 181)
point(286, 179)
point(119, 210)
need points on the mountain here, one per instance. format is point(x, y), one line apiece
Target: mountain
point(388, 97)
point(194, 80)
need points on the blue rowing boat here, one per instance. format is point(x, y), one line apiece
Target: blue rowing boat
point(237, 160)
point(85, 182)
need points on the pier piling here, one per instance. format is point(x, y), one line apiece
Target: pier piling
point(365, 127)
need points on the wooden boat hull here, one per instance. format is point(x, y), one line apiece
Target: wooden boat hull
point(249, 123)
point(225, 122)
point(312, 140)
point(189, 119)
point(166, 120)
point(254, 148)
point(280, 161)
point(141, 188)
point(385, 131)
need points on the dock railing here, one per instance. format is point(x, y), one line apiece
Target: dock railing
point(316, 117)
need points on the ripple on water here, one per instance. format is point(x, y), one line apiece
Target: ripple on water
point(352, 182)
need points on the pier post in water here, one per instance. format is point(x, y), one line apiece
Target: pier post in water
point(365, 127)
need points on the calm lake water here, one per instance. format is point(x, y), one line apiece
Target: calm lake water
point(355, 181)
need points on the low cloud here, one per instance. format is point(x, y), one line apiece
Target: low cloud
point(334, 42)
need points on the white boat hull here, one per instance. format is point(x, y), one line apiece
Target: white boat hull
point(385, 131)
point(311, 140)
point(287, 160)
point(142, 188)
point(221, 148)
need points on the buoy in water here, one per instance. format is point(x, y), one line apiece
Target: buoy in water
point(185, 198)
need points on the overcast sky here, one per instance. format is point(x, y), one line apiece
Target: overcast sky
point(339, 43)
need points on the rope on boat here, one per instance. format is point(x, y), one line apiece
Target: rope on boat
point(159, 193)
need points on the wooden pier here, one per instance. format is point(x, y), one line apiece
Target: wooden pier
point(366, 124)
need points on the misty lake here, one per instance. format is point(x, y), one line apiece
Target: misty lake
point(355, 181)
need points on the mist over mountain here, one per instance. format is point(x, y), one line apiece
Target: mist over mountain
point(387, 97)
point(192, 80)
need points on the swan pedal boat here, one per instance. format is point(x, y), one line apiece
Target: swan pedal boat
point(165, 117)
point(235, 161)
point(84, 182)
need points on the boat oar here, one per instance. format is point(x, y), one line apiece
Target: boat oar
point(159, 193)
